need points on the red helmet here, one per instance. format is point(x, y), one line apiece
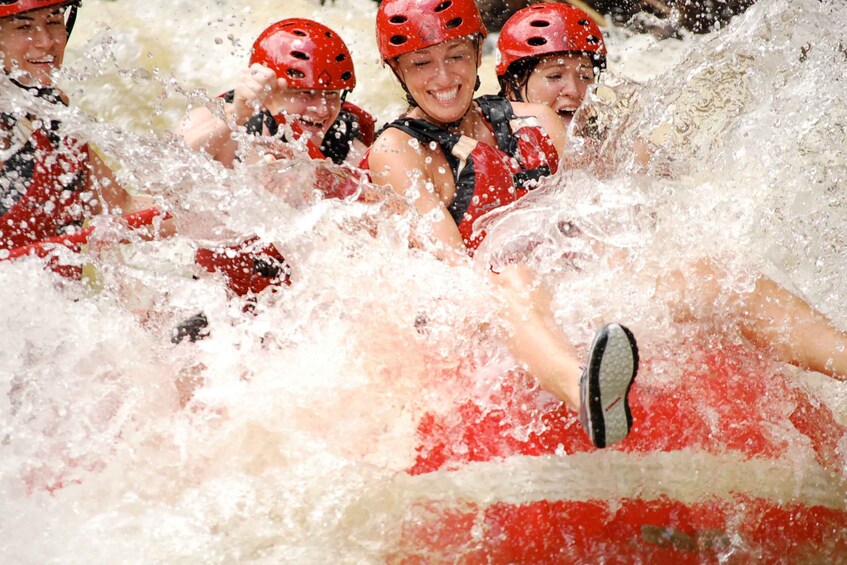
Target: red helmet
point(307, 54)
point(13, 7)
point(544, 29)
point(403, 26)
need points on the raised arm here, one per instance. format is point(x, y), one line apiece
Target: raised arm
point(203, 130)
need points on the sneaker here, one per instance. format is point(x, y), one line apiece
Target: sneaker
point(605, 383)
point(194, 328)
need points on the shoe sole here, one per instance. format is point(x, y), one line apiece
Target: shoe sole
point(611, 372)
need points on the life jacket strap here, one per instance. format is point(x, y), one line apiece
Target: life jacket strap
point(462, 151)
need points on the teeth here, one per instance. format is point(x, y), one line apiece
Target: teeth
point(42, 60)
point(309, 123)
point(445, 96)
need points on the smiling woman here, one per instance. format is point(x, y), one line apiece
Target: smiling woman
point(454, 159)
point(299, 74)
point(550, 54)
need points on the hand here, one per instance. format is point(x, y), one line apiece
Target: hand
point(109, 231)
point(257, 88)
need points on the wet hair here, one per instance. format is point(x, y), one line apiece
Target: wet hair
point(517, 75)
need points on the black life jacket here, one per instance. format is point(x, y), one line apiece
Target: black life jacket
point(336, 142)
point(488, 177)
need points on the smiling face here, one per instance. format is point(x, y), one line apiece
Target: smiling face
point(441, 78)
point(314, 110)
point(33, 45)
point(560, 81)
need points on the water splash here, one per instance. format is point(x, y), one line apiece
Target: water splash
point(303, 420)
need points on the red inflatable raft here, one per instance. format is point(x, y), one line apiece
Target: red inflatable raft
point(722, 465)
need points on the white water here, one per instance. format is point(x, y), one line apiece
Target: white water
point(295, 447)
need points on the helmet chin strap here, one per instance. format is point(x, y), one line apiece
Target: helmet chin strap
point(69, 23)
point(525, 94)
point(516, 91)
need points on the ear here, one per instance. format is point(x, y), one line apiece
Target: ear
point(395, 68)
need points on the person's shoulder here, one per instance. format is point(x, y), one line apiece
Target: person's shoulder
point(545, 115)
point(395, 151)
point(527, 109)
point(394, 140)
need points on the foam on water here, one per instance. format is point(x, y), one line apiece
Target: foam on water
point(295, 443)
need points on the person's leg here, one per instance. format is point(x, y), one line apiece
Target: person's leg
point(770, 316)
point(599, 389)
point(790, 327)
point(534, 338)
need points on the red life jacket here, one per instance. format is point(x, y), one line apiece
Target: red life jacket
point(488, 177)
point(41, 187)
point(252, 266)
point(247, 267)
point(363, 124)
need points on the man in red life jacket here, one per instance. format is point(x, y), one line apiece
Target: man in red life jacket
point(299, 76)
point(478, 155)
point(49, 182)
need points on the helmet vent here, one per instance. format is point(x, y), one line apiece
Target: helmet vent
point(592, 39)
point(539, 23)
point(340, 57)
point(583, 23)
point(398, 39)
point(294, 73)
point(443, 6)
point(329, 34)
point(398, 19)
point(454, 23)
point(536, 41)
point(300, 55)
point(300, 32)
point(346, 75)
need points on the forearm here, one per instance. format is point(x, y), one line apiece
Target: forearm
point(205, 131)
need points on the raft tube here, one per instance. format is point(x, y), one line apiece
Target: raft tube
point(727, 463)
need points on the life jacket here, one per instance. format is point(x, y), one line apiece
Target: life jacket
point(364, 124)
point(41, 184)
point(251, 266)
point(352, 123)
point(488, 177)
point(248, 267)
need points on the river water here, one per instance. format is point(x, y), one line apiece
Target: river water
point(295, 444)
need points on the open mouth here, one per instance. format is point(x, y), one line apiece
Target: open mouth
point(46, 60)
point(311, 125)
point(446, 95)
